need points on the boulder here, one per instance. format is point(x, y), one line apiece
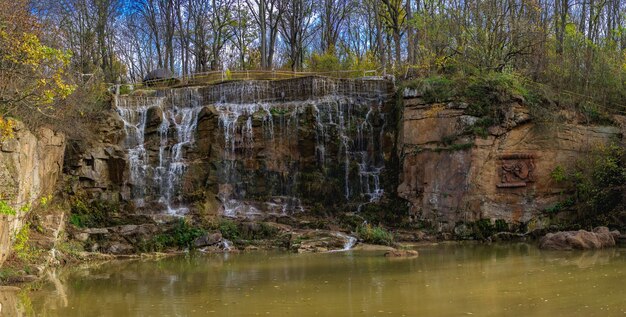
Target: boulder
point(599, 238)
point(208, 239)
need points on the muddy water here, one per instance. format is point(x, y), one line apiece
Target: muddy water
point(445, 280)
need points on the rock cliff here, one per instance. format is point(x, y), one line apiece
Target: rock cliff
point(30, 165)
point(453, 176)
point(258, 149)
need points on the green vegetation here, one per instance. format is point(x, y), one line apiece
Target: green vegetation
point(374, 234)
point(21, 246)
point(5, 209)
point(182, 235)
point(597, 186)
point(98, 213)
point(434, 89)
point(229, 229)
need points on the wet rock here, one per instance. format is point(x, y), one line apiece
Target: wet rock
point(509, 237)
point(208, 239)
point(463, 231)
point(600, 238)
point(401, 253)
point(120, 248)
point(316, 241)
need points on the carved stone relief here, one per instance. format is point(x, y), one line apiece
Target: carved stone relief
point(516, 170)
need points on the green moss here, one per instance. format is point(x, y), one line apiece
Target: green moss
point(455, 147)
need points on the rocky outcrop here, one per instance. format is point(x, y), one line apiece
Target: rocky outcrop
point(30, 165)
point(599, 238)
point(455, 169)
point(98, 168)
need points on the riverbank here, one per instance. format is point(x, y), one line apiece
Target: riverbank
point(179, 237)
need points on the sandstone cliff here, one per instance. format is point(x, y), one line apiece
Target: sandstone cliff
point(30, 165)
point(453, 177)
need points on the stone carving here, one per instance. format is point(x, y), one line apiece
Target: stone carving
point(516, 170)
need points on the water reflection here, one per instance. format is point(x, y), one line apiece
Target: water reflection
point(445, 280)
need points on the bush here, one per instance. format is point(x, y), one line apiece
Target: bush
point(325, 62)
point(21, 247)
point(97, 213)
point(436, 89)
point(486, 93)
point(374, 234)
point(181, 236)
point(229, 229)
point(599, 184)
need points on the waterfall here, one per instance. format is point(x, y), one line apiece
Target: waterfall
point(349, 244)
point(363, 146)
point(345, 133)
point(274, 147)
point(178, 113)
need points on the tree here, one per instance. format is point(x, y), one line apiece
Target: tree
point(296, 19)
point(394, 17)
point(32, 75)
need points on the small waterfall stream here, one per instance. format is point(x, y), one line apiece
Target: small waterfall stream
point(158, 176)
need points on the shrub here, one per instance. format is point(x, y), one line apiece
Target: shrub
point(486, 93)
point(374, 234)
point(5, 209)
point(229, 229)
point(436, 89)
point(325, 62)
point(21, 247)
point(97, 213)
point(181, 236)
point(599, 184)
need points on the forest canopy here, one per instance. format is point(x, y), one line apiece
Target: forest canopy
point(566, 45)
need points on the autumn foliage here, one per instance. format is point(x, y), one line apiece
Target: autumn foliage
point(32, 75)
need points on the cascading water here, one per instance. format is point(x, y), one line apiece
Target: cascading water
point(159, 177)
point(266, 147)
point(344, 133)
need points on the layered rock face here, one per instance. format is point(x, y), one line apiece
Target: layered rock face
point(450, 177)
point(258, 148)
point(246, 149)
point(30, 165)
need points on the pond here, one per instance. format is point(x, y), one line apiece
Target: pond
point(445, 280)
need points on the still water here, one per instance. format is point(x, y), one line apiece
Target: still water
point(445, 280)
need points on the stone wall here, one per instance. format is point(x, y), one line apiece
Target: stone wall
point(30, 165)
point(450, 177)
